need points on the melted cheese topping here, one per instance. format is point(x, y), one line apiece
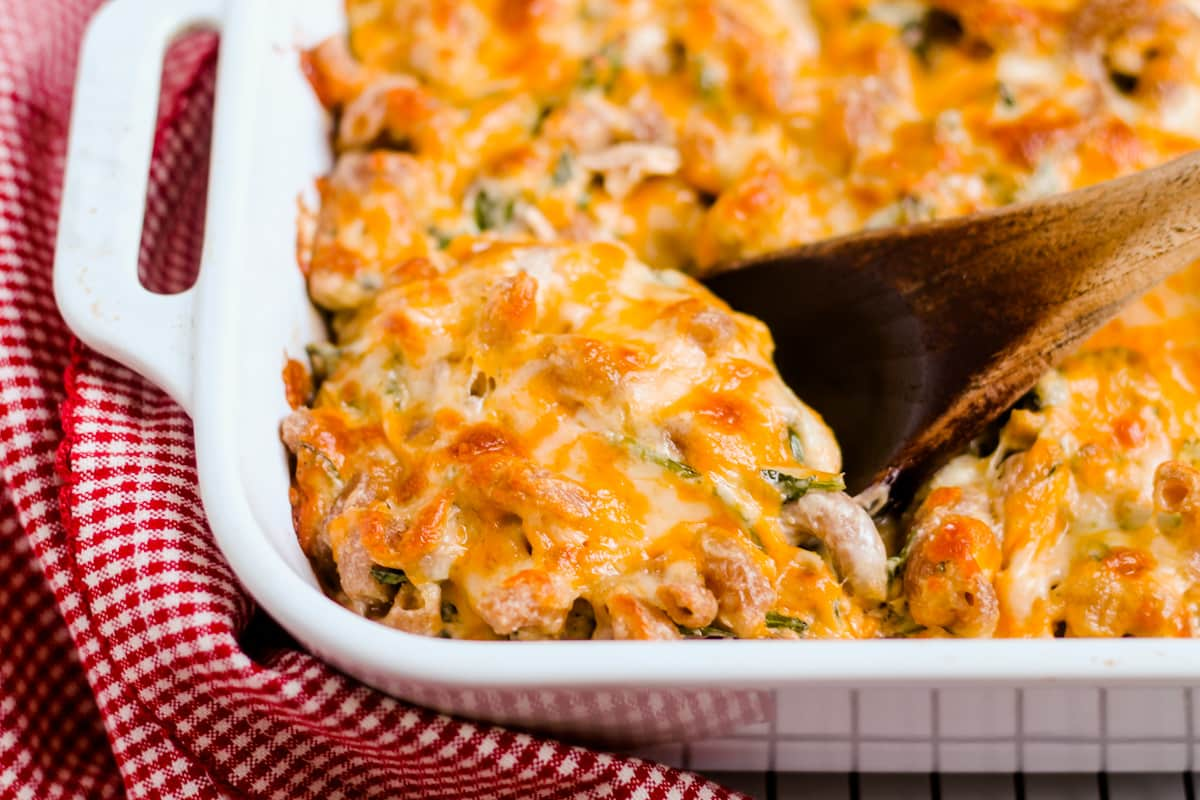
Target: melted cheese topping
point(1077, 494)
point(533, 433)
point(542, 428)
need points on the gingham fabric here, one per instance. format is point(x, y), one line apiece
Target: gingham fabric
point(131, 662)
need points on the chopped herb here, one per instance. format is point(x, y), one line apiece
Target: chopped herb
point(1001, 187)
point(563, 169)
point(492, 211)
point(899, 623)
point(679, 468)
point(324, 358)
point(442, 238)
point(589, 13)
point(907, 209)
point(325, 461)
point(707, 632)
point(913, 208)
point(1007, 98)
point(601, 70)
point(797, 445)
point(389, 575)
point(755, 538)
point(936, 27)
point(794, 487)
point(587, 75)
point(722, 492)
point(895, 564)
point(1169, 522)
point(643, 452)
point(449, 613)
point(540, 120)
point(616, 62)
point(584, 202)
point(394, 389)
point(1132, 515)
point(779, 621)
point(369, 281)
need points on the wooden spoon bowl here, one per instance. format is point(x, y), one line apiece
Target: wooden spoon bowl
point(910, 340)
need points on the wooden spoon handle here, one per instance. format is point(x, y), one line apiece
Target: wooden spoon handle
point(1069, 258)
point(1050, 269)
point(1021, 286)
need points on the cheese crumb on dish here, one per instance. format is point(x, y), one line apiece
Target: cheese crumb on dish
point(532, 423)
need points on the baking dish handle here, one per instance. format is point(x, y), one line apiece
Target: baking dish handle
point(96, 280)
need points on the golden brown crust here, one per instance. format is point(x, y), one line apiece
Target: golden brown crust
point(539, 427)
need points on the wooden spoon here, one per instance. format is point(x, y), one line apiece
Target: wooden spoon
point(911, 340)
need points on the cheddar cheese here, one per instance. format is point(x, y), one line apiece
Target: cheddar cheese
point(532, 421)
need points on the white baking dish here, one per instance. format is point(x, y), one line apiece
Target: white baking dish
point(218, 350)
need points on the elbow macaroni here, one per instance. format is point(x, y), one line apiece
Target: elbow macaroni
point(522, 431)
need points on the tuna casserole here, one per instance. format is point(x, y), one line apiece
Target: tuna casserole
point(532, 421)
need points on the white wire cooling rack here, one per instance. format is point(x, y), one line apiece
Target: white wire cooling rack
point(971, 730)
point(879, 786)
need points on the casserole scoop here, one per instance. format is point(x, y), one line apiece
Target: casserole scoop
point(909, 340)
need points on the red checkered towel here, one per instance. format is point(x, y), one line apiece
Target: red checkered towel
point(123, 635)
